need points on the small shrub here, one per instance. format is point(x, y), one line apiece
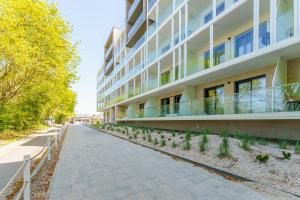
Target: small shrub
point(149, 138)
point(224, 133)
point(173, 133)
point(173, 144)
point(286, 155)
point(237, 135)
point(155, 142)
point(144, 137)
point(245, 143)
point(297, 148)
point(262, 141)
point(135, 136)
point(202, 146)
point(206, 131)
point(224, 148)
point(186, 145)
point(283, 144)
point(188, 135)
point(205, 137)
point(263, 158)
point(162, 143)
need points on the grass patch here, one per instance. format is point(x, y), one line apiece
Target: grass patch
point(224, 148)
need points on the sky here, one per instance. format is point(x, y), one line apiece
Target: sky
point(92, 21)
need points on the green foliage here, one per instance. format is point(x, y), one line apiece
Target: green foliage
point(262, 141)
point(224, 148)
point(245, 142)
point(188, 135)
point(173, 133)
point(297, 148)
point(173, 144)
point(144, 137)
point(37, 65)
point(286, 155)
point(162, 143)
point(204, 142)
point(263, 158)
point(225, 133)
point(186, 145)
point(149, 138)
point(238, 135)
point(155, 142)
point(283, 144)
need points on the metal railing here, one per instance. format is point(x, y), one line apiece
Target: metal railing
point(24, 174)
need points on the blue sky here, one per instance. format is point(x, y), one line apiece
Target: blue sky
point(92, 21)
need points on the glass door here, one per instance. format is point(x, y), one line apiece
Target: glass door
point(165, 106)
point(251, 95)
point(176, 103)
point(214, 100)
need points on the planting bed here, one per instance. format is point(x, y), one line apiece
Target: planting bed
point(238, 155)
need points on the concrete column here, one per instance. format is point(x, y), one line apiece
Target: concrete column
point(273, 23)
point(255, 25)
point(214, 7)
point(158, 73)
point(185, 59)
point(211, 45)
point(152, 107)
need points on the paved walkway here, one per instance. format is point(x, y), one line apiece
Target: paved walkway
point(11, 155)
point(99, 166)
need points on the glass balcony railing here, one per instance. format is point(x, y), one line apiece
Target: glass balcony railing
point(165, 14)
point(165, 46)
point(151, 57)
point(137, 23)
point(178, 3)
point(133, 7)
point(152, 84)
point(108, 51)
point(151, 4)
point(151, 29)
point(284, 98)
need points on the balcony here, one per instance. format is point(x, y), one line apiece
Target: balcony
point(109, 67)
point(151, 4)
point(137, 4)
point(136, 25)
point(165, 14)
point(108, 51)
point(285, 98)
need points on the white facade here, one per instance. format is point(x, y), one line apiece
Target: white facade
point(189, 43)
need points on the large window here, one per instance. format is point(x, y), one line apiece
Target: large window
point(165, 77)
point(165, 106)
point(208, 17)
point(251, 95)
point(176, 103)
point(285, 19)
point(206, 60)
point(214, 100)
point(244, 43)
point(220, 7)
point(219, 54)
point(264, 35)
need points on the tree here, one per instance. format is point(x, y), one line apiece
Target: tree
point(37, 63)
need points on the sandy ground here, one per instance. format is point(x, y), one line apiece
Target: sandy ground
point(276, 172)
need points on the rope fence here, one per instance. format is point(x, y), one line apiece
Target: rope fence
point(18, 187)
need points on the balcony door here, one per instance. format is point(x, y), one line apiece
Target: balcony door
point(251, 95)
point(165, 106)
point(214, 100)
point(176, 103)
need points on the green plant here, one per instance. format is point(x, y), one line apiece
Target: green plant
point(173, 144)
point(262, 141)
point(144, 137)
point(224, 148)
point(286, 155)
point(297, 148)
point(245, 142)
point(283, 144)
point(149, 138)
point(173, 133)
point(262, 158)
point(188, 135)
point(237, 135)
point(155, 142)
point(202, 146)
point(224, 133)
point(162, 143)
point(186, 145)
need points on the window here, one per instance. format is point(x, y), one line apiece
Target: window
point(165, 106)
point(141, 110)
point(244, 43)
point(220, 8)
point(165, 77)
point(251, 95)
point(208, 17)
point(176, 73)
point(176, 103)
point(264, 35)
point(214, 100)
point(206, 60)
point(219, 54)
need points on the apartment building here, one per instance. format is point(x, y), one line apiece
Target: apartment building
point(190, 64)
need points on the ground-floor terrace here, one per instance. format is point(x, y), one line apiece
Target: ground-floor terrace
point(264, 101)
